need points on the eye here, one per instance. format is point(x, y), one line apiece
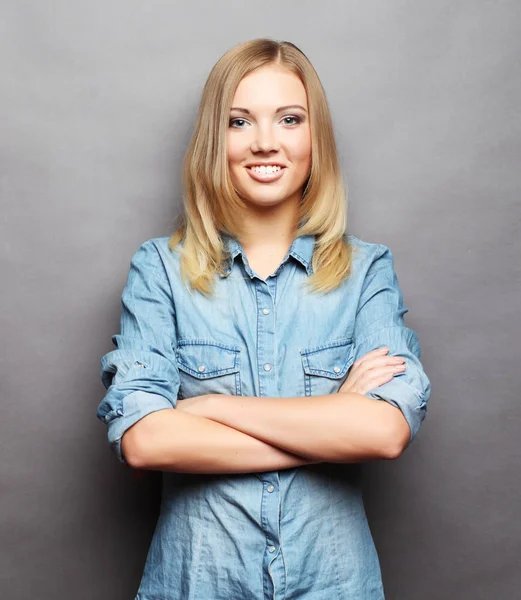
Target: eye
point(296, 120)
point(233, 122)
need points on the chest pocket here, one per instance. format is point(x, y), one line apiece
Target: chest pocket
point(207, 367)
point(325, 367)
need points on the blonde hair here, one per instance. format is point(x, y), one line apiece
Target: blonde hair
point(212, 205)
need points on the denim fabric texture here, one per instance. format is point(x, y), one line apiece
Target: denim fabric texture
point(293, 534)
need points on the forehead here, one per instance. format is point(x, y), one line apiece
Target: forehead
point(270, 86)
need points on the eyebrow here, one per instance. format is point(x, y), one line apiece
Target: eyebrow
point(280, 109)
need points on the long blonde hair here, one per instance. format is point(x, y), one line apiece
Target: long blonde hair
point(212, 205)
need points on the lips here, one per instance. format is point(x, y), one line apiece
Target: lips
point(265, 164)
point(265, 177)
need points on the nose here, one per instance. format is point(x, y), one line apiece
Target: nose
point(265, 139)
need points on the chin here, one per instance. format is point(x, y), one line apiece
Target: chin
point(268, 197)
point(261, 201)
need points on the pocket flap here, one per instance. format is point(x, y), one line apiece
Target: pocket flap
point(332, 360)
point(204, 359)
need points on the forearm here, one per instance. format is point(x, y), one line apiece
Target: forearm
point(172, 440)
point(343, 427)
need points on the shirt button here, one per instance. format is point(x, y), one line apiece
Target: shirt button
point(266, 311)
point(267, 367)
point(201, 368)
point(271, 548)
point(336, 369)
point(270, 488)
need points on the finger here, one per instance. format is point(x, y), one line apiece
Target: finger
point(371, 354)
point(375, 364)
point(383, 374)
point(380, 361)
point(372, 383)
point(397, 368)
point(358, 370)
point(375, 352)
point(385, 361)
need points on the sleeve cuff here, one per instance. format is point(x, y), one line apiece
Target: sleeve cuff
point(403, 396)
point(135, 406)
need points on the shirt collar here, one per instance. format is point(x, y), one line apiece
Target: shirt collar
point(301, 249)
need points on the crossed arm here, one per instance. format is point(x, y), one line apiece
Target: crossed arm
point(235, 434)
point(225, 434)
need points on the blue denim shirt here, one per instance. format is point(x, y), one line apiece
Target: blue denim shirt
point(297, 533)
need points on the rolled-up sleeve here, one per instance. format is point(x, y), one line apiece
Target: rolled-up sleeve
point(141, 375)
point(379, 323)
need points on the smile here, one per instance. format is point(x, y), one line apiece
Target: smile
point(266, 173)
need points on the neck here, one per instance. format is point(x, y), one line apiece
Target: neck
point(269, 226)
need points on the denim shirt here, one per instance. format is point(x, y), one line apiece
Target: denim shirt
point(298, 533)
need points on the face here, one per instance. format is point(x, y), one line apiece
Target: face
point(269, 126)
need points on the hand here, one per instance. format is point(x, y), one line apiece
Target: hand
point(197, 405)
point(371, 370)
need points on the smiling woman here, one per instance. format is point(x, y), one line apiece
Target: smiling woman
point(263, 105)
point(262, 354)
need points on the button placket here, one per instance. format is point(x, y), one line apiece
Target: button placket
point(266, 351)
point(268, 386)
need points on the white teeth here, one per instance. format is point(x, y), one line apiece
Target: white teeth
point(266, 170)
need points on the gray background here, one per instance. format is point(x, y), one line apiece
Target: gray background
point(97, 102)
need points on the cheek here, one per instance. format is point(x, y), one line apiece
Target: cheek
point(235, 156)
point(234, 150)
point(301, 150)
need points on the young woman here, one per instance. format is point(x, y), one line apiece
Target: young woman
point(263, 354)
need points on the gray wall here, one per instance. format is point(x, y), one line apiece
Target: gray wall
point(97, 101)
